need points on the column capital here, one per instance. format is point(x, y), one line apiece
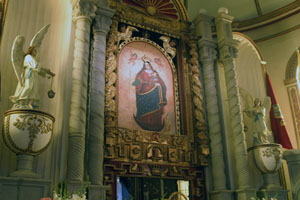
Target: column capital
point(83, 9)
point(228, 48)
point(103, 20)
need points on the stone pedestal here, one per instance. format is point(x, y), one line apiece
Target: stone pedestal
point(221, 194)
point(292, 158)
point(24, 167)
point(13, 188)
point(97, 192)
point(269, 182)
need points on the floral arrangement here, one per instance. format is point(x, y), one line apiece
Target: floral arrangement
point(63, 194)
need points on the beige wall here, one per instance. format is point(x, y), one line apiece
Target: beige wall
point(26, 18)
point(277, 51)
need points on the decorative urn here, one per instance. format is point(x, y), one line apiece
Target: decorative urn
point(27, 132)
point(268, 159)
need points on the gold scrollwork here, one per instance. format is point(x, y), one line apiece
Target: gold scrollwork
point(37, 122)
point(111, 76)
point(35, 125)
point(201, 134)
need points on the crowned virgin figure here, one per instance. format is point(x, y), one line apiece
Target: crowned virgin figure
point(150, 98)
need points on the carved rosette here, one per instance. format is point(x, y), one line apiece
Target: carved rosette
point(27, 132)
point(201, 128)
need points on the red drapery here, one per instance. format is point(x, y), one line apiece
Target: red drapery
point(276, 118)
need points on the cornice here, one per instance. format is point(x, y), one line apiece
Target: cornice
point(267, 19)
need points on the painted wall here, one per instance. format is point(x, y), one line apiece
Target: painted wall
point(277, 50)
point(26, 18)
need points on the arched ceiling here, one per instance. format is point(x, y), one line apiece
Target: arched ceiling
point(240, 9)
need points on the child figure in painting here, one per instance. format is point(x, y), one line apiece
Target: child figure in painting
point(150, 98)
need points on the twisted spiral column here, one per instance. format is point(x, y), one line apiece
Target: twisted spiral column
point(97, 97)
point(83, 12)
point(228, 51)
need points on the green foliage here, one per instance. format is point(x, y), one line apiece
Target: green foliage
point(63, 193)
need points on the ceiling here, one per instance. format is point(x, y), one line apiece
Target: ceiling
point(240, 9)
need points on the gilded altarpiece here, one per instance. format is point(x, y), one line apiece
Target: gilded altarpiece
point(154, 115)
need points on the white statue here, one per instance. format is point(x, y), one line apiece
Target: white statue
point(168, 45)
point(27, 69)
point(126, 33)
point(259, 113)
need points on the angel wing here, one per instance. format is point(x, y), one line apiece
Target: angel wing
point(167, 46)
point(131, 29)
point(17, 56)
point(248, 99)
point(38, 38)
point(165, 39)
point(267, 105)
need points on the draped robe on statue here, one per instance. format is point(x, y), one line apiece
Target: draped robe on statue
point(150, 99)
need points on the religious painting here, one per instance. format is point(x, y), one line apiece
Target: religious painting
point(146, 89)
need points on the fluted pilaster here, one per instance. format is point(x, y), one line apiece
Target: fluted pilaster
point(207, 53)
point(228, 51)
point(97, 97)
point(83, 12)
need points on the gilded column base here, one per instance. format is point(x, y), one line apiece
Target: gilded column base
point(222, 194)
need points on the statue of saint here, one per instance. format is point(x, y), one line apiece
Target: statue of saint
point(27, 69)
point(259, 113)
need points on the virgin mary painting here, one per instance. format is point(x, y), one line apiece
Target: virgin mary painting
point(150, 98)
point(145, 89)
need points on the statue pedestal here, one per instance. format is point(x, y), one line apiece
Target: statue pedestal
point(27, 132)
point(14, 188)
point(269, 182)
point(24, 167)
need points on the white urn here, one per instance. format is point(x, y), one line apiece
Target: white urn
point(27, 132)
point(268, 159)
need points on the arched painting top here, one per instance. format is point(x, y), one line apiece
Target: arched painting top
point(171, 9)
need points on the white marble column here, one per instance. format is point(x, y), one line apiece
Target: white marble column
point(207, 54)
point(228, 51)
point(83, 12)
point(97, 96)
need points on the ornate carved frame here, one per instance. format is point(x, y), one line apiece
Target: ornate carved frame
point(132, 152)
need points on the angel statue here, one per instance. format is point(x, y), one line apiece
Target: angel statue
point(259, 113)
point(169, 46)
point(126, 33)
point(27, 68)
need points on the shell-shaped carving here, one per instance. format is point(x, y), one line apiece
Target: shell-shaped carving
point(162, 8)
